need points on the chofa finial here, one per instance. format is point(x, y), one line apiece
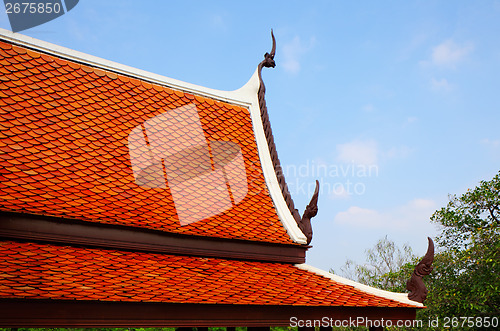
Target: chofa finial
point(416, 286)
point(268, 61)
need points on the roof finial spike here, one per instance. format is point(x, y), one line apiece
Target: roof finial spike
point(273, 50)
point(416, 286)
point(269, 57)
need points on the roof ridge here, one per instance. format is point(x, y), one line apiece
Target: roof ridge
point(99, 62)
point(399, 297)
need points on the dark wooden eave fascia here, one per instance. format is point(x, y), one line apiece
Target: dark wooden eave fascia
point(77, 313)
point(74, 232)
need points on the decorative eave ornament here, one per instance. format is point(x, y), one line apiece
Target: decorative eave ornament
point(311, 210)
point(416, 286)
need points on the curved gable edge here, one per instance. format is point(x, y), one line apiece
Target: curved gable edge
point(250, 92)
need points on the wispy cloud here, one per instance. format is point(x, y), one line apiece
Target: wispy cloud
point(411, 119)
point(339, 192)
point(491, 143)
point(293, 52)
point(368, 153)
point(369, 108)
point(440, 85)
point(359, 152)
point(409, 216)
point(448, 54)
point(218, 21)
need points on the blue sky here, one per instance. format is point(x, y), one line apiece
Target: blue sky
point(393, 105)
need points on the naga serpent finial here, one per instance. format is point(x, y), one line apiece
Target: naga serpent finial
point(310, 211)
point(268, 61)
point(416, 286)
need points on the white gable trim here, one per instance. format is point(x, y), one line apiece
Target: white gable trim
point(399, 297)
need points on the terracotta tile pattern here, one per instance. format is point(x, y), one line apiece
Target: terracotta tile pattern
point(36, 271)
point(63, 148)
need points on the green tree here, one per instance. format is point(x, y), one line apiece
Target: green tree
point(470, 219)
point(466, 276)
point(387, 266)
point(465, 281)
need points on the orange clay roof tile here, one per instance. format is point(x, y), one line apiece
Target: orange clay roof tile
point(69, 125)
point(37, 271)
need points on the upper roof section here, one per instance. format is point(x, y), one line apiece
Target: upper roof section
point(93, 140)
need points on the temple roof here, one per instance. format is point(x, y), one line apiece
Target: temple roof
point(100, 144)
point(118, 185)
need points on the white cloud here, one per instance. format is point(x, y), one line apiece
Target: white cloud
point(411, 119)
point(360, 217)
point(440, 85)
point(339, 192)
point(293, 51)
point(410, 216)
point(448, 54)
point(368, 108)
point(359, 152)
point(491, 143)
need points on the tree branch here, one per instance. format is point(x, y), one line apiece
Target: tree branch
point(492, 213)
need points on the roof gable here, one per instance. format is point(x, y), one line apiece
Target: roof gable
point(166, 193)
point(86, 142)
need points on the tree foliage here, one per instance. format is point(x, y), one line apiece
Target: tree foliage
point(471, 219)
point(466, 276)
point(387, 266)
point(465, 281)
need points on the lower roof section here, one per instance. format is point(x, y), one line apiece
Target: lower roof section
point(46, 271)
